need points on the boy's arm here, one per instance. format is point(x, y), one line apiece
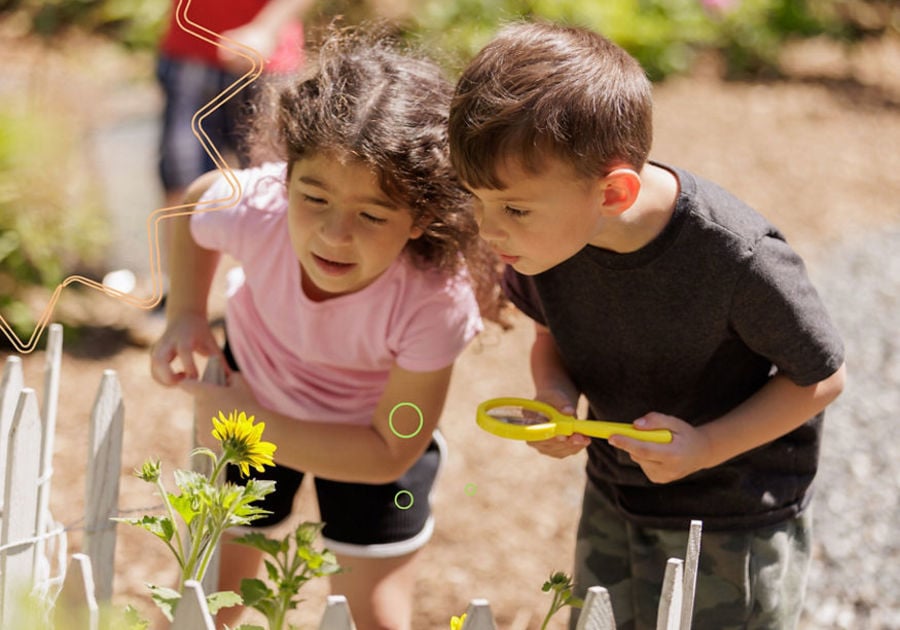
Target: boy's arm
point(191, 271)
point(776, 409)
point(554, 386)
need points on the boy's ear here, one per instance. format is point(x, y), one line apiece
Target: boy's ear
point(621, 188)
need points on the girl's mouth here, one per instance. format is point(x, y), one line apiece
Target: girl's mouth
point(332, 267)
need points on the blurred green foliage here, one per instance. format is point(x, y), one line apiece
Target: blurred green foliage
point(664, 35)
point(134, 23)
point(51, 223)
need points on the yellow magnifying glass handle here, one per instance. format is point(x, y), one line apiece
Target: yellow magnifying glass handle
point(603, 429)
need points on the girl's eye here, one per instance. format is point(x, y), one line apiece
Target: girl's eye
point(515, 212)
point(311, 199)
point(373, 219)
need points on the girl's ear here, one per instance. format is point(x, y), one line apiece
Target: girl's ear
point(620, 189)
point(415, 232)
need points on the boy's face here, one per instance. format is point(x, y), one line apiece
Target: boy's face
point(539, 220)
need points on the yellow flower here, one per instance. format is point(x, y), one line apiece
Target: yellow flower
point(241, 443)
point(456, 623)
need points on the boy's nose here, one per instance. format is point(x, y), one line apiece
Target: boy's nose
point(488, 229)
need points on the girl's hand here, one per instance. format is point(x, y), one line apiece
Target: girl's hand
point(185, 335)
point(663, 463)
point(560, 446)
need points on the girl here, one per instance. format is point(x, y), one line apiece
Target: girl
point(355, 300)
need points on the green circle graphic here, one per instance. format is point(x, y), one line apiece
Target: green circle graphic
point(406, 436)
point(473, 487)
point(411, 500)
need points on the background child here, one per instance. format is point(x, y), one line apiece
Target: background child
point(355, 300)
point(666, 302)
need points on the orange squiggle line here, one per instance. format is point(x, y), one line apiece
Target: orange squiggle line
point(256, 60)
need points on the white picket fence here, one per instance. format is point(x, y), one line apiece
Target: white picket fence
point(33, 546)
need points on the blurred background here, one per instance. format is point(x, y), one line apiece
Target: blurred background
point(80, 108)
point(794, 105)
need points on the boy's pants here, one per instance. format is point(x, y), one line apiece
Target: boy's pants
point(749, 580)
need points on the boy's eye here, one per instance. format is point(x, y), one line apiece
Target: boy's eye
point(515, 212)
point(371, 218)
point(311, 199)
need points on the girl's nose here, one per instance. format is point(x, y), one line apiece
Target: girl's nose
point(338, 228)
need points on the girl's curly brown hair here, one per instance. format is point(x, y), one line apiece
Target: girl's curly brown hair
point(363, 95)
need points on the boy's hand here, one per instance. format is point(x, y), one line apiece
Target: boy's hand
point(662, 463)
point(184, 336)
point(560, 446)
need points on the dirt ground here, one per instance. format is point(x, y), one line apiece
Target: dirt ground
point(817, 154)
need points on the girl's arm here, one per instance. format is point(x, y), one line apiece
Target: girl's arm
point(379, 453)
point(554, 386)
point(191, 270)
point(776, 409)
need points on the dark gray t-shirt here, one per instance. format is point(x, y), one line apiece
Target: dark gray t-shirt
point(691, 325)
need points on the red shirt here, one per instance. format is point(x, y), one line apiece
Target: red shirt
point(223, 15)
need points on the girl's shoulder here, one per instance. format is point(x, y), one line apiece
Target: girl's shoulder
point(260, 188)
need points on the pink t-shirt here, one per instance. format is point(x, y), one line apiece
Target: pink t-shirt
point(328, 360)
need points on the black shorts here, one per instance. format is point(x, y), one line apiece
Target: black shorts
point(372, 520)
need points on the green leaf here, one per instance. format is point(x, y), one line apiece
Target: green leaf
point(255, 590)
point(133, 620)
point(261, 542)
point(159, 526)
point(272, 571)
point(222, 599)
point(166, 599)
point(185, 505)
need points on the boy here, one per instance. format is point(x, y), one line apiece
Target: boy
point(666, 302)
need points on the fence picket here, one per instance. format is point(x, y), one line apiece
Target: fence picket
point(10, 387)
point(597, 612)
point(668, 616)
point(49, 404)
point(22, 468)
point(691, 563)
point(192, 613)
point(337, 614)
point(102, 485)
point(479, 616)
point(76, 606)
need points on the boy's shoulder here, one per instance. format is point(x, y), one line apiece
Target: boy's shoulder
point(705, 205)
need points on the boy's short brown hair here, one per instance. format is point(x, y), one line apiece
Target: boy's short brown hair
point(541, 88)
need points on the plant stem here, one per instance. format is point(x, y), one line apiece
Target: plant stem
point(554, 606)
point(179, 554)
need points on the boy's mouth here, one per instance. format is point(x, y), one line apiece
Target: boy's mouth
point(332, 267)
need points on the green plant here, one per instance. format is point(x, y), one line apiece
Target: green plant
point(561, 586)
point(292, 561)
point(664, 35)
point(207, 508)
point(51, 220)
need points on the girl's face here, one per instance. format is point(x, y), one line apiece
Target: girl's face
point(345, 231)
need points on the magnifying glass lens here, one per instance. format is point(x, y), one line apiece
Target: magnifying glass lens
point(511, 414)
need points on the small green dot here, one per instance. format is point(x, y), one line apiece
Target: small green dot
point(471, 489)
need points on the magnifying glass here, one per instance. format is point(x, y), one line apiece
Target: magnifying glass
point(532, 420)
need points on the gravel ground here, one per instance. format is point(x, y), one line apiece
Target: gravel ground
point(855, 582)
